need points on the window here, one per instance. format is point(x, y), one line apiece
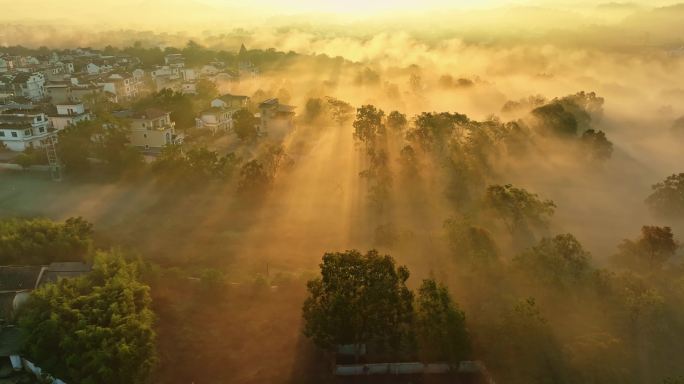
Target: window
point(2, 133)
point(41, 129)
point(14, 134)
point(27, 132)
point(145, 135)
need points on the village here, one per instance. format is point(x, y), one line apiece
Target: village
point(41, 96)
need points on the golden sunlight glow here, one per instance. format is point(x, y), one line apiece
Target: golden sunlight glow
point(360, 6)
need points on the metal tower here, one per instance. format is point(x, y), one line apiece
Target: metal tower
point(53, 160)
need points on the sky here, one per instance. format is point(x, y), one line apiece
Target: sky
point(356, 6)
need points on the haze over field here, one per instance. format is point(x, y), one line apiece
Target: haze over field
point(534, 132)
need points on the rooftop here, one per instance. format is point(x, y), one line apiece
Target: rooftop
point(229, 97)
point(149, 113)
point(19, 278)
point(56, 271)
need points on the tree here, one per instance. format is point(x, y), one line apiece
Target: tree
point(358, 299)
point(560, 260)
point(273, 157)
point(97, 328)
point(23, 160)
point(114, 149)
point(245, 125)
point(556, 120)
point(584, 106)
point(254, 180)
point(667, 199)
point(379, 177)
point(470, 242)
point(41, 241)
point(206, 89)
point(340, 111)
point(521, 347)
point(74, 147)
point(368, 124)
point(432, 128)
point(409, 161)
point(181, 106)
point(518, 207)
point(678, 127)
point(313, 109)
point(597, 145)
point(396, 121)
point(653, 249)
point(440, 324)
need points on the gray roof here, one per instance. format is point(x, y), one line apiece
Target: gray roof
point(56, 271)
point(19, 278)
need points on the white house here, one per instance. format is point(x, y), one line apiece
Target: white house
point(19, 131)
point(151, 128)
point(92, 69)
point(29, 85)
point(230, 101)
point(124, 86)
point(68, 115)
point(216, 119)
point(138, 74)
point(189, 74)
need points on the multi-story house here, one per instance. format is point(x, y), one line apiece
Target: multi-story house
point(69, 114)
point(216, 119)
point(29, 85)
point(275, 116)
point(150, 128)
point(230, 101)
point(58, 93)
point(124, 86)
point(19, 131)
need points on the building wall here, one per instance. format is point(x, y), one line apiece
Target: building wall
point(70, 109)
point(61, 122)
point(58, 94)
point(22, 141)
point(151, 138)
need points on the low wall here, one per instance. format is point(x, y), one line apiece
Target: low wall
point(412, 368)
point(17, 167)
point(37, 371)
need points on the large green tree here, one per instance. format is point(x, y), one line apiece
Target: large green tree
point(368, 124)
point(245, 125)
point(560, 260)
point(41, 241)
point(440, 324)
point(667, 199)
point(359, 299)
point(518, 208)
point(93, 329)
point(74, 147)
point(654, 248)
